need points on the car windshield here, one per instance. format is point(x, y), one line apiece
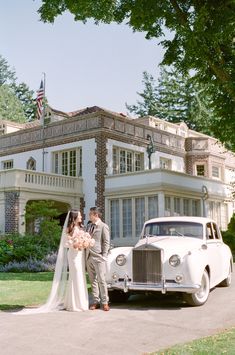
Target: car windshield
point(171, 228)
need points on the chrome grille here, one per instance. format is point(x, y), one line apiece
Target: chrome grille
point(147, 266)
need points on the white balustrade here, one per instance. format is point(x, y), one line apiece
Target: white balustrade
point(27, 179)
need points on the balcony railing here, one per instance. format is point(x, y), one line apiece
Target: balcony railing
point(16, 179)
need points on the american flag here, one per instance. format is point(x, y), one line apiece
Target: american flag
point(39, 100)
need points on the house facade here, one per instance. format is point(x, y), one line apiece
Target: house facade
point(134, 169)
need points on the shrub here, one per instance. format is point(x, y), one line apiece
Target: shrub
point(229, 239)
point(18, 248)
point(31, 265)
point(229, 235)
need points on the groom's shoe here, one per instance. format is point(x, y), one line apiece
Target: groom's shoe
point(106, 307)
point(94, 306)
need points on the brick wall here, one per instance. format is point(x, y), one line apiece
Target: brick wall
point(11, 212)
point(101, 166)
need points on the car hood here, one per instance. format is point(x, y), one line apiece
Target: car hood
point(172, 244)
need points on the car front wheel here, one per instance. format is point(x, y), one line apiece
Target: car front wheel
point(201, 296)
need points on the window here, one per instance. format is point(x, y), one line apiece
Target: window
point(165, 163)
point(138, 161)
point(65, 163)
point(72, 163)
point(7, 164)
point(68, 162)
point(216, 172)
point(209, 231)
point(56, 163)
point(122, 161)
point(115, 223)
point(31, 164)
point(167, 206)
point(153, 206)
point(186, 207)
point(115, 161)
point(125, 161)
point(176, 206)
point(195, 207)
point(200, 170)
point(139, 215)
point(215, 211)
point(127, 217)
point(216, 232)
point(129, 162)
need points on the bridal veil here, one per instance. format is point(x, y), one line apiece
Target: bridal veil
point(55, 301)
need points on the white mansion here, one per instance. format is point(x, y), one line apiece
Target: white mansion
point(134, 169)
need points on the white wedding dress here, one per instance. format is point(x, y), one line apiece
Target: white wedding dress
point(76, 297)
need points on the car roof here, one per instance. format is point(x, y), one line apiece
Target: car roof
point(202, 220)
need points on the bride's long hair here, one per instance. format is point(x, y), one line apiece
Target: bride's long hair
point(55, 300)
point(72, 221)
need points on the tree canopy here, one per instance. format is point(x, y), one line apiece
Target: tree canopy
point(202, 40)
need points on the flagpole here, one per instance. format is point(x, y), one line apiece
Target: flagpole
point(43, 123)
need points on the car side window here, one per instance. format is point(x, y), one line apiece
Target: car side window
point(216, 233)
point(209, 232)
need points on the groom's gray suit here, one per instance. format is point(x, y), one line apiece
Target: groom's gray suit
point(96, 261)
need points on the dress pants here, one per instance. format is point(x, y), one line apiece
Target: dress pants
point(96, 270)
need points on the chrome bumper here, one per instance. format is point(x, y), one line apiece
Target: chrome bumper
point(163, 287)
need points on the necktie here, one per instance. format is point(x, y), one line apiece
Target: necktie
point(91, 228)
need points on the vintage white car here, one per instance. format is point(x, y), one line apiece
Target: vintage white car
point(173, 254)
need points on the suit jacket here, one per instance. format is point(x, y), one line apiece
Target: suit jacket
point(101, 247)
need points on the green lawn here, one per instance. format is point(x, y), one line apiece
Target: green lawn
point(24, 289)
point(223, 343)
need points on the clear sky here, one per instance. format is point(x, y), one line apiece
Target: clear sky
point(85, 64)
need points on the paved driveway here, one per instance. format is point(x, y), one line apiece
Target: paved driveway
point(144, 324)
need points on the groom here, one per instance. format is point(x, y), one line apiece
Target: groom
point(96, 259)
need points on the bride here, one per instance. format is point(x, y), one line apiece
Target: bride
point(68, 294)
point(76, 297)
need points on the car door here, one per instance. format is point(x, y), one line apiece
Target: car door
point(214, 253)
point(223, 261)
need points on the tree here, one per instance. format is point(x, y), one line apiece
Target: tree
point(19, 104)
point(10, 106)
point(150, 104)
point(202, 40)
point(7, 75)
point(174, 98)
point(25, 95)
point(46, 214)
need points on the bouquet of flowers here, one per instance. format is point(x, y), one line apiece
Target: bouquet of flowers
point(79, 240)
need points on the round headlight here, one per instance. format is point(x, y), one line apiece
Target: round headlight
point(121, 259)
point(174, 260)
